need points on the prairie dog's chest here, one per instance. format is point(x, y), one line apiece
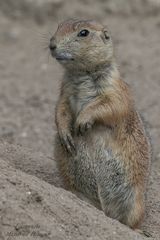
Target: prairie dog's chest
point(83, 92)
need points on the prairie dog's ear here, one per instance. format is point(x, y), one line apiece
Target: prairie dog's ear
point(105, 35)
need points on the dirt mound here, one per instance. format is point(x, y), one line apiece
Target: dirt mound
point(33, 208)
point(32, 163)
point(27, 184)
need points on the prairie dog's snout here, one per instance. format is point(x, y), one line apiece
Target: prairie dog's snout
point(59, 53)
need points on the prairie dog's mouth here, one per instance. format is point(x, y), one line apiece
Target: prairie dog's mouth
point(63, 56)
point(64, 59)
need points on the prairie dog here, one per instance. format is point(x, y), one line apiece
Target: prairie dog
point(101, 147)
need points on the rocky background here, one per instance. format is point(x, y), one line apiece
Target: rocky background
point(33, 203)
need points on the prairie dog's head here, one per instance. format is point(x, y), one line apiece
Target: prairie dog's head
point(81, 44)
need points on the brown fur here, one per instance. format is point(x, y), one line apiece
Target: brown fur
point(108, 153)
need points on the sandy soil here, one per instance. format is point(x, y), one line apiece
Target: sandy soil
point(29, 83)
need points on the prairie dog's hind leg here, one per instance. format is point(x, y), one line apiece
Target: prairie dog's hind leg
point(119, 200)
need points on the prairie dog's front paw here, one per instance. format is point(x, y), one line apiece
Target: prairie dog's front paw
point(82, 126)
point(67, 141)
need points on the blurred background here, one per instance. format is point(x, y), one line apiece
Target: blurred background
point(29, 77)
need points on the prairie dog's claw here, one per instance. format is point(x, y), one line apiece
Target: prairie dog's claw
point(82, 128)
point(67, 142)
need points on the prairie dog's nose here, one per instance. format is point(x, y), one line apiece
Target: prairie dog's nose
point(52, 44)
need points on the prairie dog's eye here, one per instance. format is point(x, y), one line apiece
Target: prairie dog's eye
point(83, 33)
point(106, 34)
